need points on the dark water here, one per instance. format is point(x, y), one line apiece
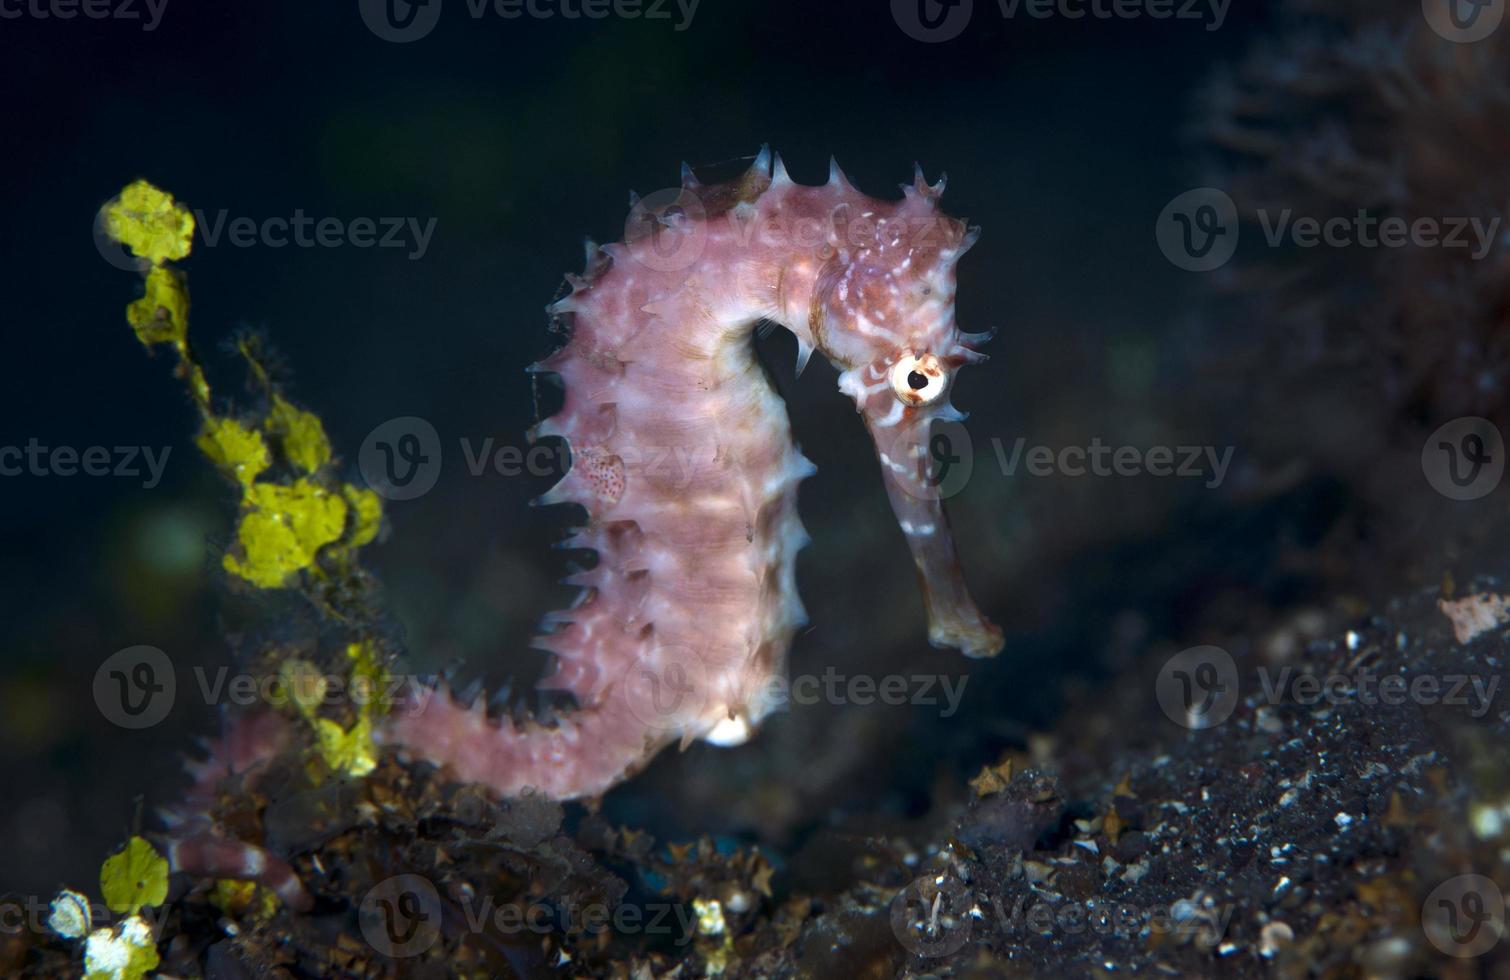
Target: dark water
point(485, 150)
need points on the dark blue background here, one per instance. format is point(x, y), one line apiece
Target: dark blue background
point(1062, 139)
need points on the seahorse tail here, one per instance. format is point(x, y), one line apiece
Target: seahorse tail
point(581, 755)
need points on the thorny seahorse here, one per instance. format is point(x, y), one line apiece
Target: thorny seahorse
point(683, 458)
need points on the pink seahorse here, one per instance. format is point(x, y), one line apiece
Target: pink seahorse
point(683, 458)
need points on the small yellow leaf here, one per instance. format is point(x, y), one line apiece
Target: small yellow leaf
point(304, 441)
point(369, 678)
point(367, 514)
point(134, 876)
point(150, 223)
point(233, 447)
point(303, 684)
point(283, 529)
point(162, 314)
point(244, 899)
point(346, 752)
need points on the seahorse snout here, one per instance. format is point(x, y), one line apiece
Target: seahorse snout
point(901, 436)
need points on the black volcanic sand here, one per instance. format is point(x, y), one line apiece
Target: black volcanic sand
point(1325, 827)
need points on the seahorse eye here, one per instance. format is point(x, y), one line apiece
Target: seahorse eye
point(919, 380)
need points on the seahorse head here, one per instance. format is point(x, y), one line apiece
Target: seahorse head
point(883, 312)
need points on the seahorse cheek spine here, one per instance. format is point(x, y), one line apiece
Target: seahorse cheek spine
point(684, 462)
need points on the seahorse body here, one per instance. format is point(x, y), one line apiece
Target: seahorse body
point(682, 457)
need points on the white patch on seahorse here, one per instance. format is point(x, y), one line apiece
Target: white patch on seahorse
point(892, 417)
point(729, 732)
